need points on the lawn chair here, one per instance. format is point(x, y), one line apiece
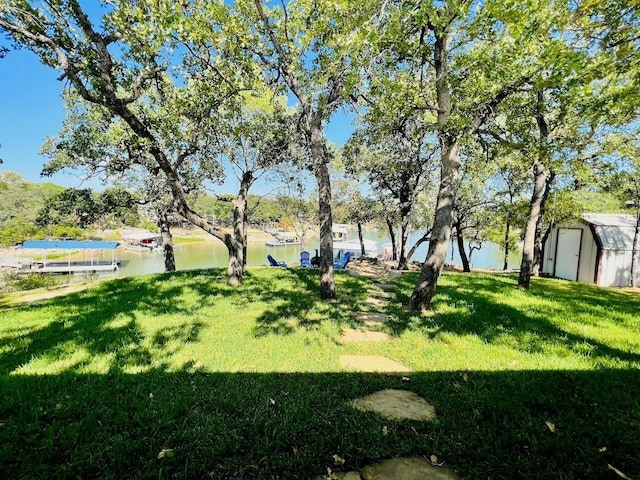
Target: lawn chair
point(274, 263)
point(305, 261)
point(341, 263)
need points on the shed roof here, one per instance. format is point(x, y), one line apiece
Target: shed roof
point(614, 231)
point(69, 245)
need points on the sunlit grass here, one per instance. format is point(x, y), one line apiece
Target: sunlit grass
point(246, 382)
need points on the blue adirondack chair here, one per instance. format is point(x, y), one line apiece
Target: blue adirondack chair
point(274, 263)
point(341, 263)
point(305, 259)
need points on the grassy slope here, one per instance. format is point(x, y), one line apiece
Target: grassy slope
point(98, 382)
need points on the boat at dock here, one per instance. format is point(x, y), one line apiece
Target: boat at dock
point(342, 245)
point(283, 239)
point(142, 241)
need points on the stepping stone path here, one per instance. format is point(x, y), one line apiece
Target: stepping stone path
point(355, 335)
point(407, 469)
point(397, 469)
point(374, 302)
point(385, 286)
point(371, 364)
point(395, 404)
point(371, 318)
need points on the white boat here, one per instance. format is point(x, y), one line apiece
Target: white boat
point(283, 240)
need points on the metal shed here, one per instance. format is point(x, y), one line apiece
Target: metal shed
point(596, 250)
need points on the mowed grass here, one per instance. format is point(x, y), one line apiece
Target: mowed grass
point(181, 376)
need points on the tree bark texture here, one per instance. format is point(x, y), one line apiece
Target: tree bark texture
point(321, 171)
point(237, 244)
point(466, 267)
point(424, 238)
point(425, 287)
point(167, 241)
point(507, 231)
point(360, 237)
point(441, 232)
point(528, 246)
point(392, 235)
point(533, 230)
point(405, 226)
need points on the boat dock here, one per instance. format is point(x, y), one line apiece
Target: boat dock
point(95, 250)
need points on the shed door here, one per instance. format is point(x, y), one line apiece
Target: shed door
point(568, 253)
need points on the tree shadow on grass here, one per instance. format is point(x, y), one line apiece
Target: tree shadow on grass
point(102, 321)
point(475, 304)
point(298, 306)
point(498, 425)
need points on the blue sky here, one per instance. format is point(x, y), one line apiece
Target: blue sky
point(31, 109)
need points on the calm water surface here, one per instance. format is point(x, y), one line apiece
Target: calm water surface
point(213, 254)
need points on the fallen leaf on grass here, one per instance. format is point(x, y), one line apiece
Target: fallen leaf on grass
point(465, 377)
point(434, 459)
point(551, 426)
point(338, 460)
point(272, 402)
point(618, 472)
point(165, 452)
point(603, 449)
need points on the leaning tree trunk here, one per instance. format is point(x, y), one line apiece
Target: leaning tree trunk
point(392, 235)
point(321, 171)
point(424, 238)
point(634, 251)
point(539, 238)
point(466, 267)
point(540, 192)
point(450, 165)
point(441, 232)
point(507, 232)
point(167, 241)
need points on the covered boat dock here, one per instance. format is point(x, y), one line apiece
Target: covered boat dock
point(96, 256)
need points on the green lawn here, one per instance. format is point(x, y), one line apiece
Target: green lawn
point(246, 383)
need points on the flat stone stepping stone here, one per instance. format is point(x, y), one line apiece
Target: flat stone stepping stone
point(374, 302)
point(407, 469)
point(386, 286)
point(371, 364)
point(395, 404)
point(355, 335)
point(380, 294)
point(371, 318)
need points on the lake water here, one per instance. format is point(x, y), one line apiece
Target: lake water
point(213, 254)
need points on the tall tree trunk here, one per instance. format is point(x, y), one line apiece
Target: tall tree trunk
point(167, 241)
point(533, 228)
point(507, 232)
point(539, 238)
point(461, 250)
point(392, 235)
point(526, 265)
point(403, 263)
point(634, 250)
point(321, 171)
point(237, 243)
point(425, 287)
point(360, 237)
point(441, 232)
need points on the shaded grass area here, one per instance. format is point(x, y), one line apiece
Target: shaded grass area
point(246, 383)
